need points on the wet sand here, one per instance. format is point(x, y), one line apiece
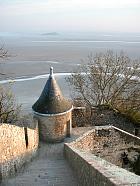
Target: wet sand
point(27, 92)
point(30, 58)
point(34, 56)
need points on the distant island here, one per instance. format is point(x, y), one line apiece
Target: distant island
point(50, 34)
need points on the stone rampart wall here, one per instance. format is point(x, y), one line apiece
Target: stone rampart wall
point(92, 170)
point(17, 146)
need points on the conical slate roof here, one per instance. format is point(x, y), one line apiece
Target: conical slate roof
point(51, 100)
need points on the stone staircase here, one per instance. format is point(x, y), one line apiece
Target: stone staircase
point(49, 168)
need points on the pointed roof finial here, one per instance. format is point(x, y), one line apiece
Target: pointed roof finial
point(51, 100)
point(51, 72)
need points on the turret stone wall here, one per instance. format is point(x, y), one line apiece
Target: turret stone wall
point(53, 112)
point(17, 146)
point(54, 128)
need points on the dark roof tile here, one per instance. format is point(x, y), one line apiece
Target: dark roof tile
point(51, 100)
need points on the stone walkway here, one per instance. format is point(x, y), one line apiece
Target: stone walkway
point(49, 168)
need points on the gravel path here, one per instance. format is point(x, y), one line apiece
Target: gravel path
point(49, 168)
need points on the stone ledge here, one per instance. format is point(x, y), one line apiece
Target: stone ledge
point(93, 170)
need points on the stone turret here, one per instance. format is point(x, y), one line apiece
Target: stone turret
point(53, 112)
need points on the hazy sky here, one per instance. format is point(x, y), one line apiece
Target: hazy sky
point(70, 15)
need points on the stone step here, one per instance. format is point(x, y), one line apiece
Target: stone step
point(48, 169)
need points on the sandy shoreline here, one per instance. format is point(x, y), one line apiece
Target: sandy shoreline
point(13, 70)
point(30, 78)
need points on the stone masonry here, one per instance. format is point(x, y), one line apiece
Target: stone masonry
point(94, 164)
point(53, 112)
point(18, 145)
point(54, 128)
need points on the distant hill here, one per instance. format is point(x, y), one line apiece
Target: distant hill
point(50, 34)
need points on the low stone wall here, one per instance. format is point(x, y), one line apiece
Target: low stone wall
point(127, 137)
point(101, 117)
point(92, 170)
point(79, 117)
point(17, 146)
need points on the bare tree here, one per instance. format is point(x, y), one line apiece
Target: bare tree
point(9, 110)
point(107, 79)
point(3, 55)
point(3, 52)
